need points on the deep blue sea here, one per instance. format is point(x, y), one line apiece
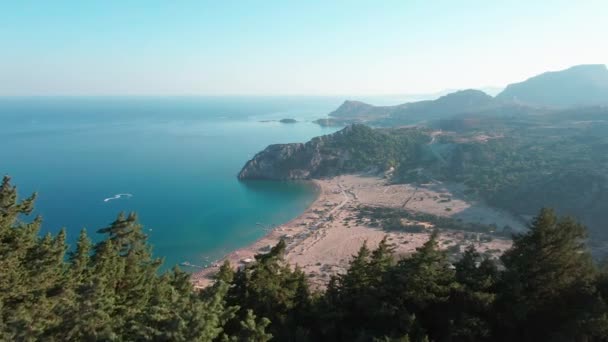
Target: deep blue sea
point(177, 156)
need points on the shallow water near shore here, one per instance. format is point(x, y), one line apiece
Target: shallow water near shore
point(172, 160)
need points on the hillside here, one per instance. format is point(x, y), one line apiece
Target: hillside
point(457, 103)
point(578, 85)
point(355, 148)
point(464, 101)
point(361, 110)
point(518, 163)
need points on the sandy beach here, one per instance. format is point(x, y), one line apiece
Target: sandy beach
point(323, 239)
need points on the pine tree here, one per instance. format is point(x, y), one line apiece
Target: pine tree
point(16, 239)
point(98, 297)
point(473, 298)
point(225, 273)
point(80, 258)
point(138, 276)
point(357, 277)
point(20, 316)
point(548, 273)
point(253, 330)
point(355, 303)
point(382, 259)
point(347, 300)
point(272, 290)
point(214, 315)
point(421, 284)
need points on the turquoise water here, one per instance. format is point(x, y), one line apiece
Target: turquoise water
point(178, 157)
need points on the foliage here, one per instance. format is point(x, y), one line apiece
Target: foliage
point(360, 148)
point(519, 159)
point(546, 288)
point(391, 219)
point(109, 291)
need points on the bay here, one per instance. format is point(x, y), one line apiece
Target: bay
point(177, 156)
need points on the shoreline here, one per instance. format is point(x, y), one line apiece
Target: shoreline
point(203, 278)
point(324, 237)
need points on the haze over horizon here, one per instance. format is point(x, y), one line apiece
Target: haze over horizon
point(276, 48)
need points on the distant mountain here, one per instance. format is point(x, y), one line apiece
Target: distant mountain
point(578, 86)
point(581, 85)
point(459, 102)
point(361, 110)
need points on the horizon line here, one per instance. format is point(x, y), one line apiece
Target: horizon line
point(439, 92)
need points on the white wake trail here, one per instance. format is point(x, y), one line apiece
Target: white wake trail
point(117, 196)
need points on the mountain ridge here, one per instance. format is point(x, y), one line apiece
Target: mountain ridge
point(580, 85)
point(585, 84)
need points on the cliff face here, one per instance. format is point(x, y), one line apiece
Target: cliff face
point(270, 163)
point(355, 148)
point(295, 161)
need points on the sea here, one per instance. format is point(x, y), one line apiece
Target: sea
point(172, 160)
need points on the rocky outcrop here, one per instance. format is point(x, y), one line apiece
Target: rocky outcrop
point(354, 148)
point(270, 163)
point(296, 160)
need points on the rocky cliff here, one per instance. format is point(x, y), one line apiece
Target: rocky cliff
point(355, 148)
point(293, 161)
point(272, 162)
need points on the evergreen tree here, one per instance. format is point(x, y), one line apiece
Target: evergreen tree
point(80, 259)
point(272, 290)
point(137, 275)
point(357, 300)
point(253, 330)
point(472, 300)
point(550, 290)
point(18, 241)
point(226, 273)
point(549, 274)
point(420, 288)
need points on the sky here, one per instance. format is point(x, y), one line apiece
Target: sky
point(305, 47)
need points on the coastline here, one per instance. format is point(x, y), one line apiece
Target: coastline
point(323, 238)
point(204, 278)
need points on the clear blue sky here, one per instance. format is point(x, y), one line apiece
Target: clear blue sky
point(290, 47)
